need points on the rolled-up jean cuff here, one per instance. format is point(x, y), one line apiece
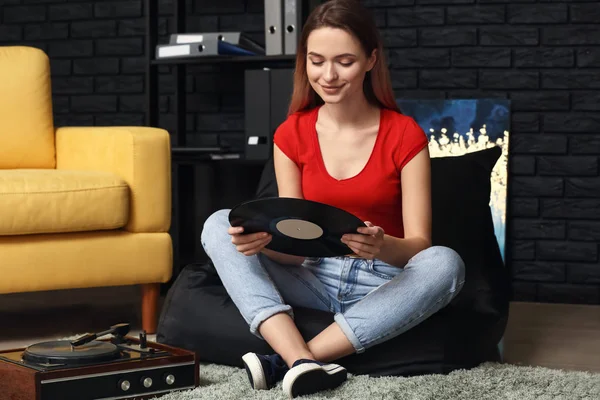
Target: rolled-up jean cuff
point(347, 330)
point(266, 314)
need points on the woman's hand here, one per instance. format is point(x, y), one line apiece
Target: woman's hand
point(367, 243)
point(248, 244)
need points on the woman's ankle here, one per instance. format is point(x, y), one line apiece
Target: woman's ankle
point(291, 358)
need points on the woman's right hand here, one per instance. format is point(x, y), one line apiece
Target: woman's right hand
point(248, 244)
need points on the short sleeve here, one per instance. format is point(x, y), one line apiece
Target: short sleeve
point(413, 141)
point(286, 138)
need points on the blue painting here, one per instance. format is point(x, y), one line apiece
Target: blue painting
point(457, 127)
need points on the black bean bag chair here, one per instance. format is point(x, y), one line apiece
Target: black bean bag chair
point(199, 315)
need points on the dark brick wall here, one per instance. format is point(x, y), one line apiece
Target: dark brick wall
point(543, 55)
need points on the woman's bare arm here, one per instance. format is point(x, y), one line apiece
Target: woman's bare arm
point(287, 174)
point(416, 212)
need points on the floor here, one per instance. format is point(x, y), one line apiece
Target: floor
point(550, 335)
point(554, 335)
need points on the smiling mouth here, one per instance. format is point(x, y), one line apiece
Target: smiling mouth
point(331, 87)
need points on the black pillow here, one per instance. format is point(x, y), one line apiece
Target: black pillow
point(462, 220)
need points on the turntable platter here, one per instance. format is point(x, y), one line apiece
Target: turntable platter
point(61, 352)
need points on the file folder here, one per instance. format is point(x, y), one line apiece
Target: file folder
point(292, 22)
point(239, 39)
point(273, 27)
point(200, 49)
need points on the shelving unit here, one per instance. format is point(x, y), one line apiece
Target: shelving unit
point(184, 157)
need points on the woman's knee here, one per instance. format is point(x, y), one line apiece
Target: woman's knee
point(215, 227)
point(446, 262)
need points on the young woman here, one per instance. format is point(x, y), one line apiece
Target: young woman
point(344, 143)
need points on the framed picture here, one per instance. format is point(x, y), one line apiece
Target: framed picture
point(457, 127)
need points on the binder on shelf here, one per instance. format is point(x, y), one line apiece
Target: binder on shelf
point(267, 94)
point(273, 27)
point(292, 22)
point(281, 87)
point(203, 49)
point(257, 126)
point(239, 39)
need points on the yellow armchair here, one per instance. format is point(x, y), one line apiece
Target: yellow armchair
point(80, 207)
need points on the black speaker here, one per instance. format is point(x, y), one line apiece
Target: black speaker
point(267, 95)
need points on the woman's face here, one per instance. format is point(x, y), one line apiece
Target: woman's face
point(336, 64)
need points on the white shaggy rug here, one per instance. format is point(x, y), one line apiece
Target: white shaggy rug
point(489, 381)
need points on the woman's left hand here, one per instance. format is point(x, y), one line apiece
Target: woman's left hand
point(367, 243)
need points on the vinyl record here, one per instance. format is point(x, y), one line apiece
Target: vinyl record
point(298, 227)
point(61, 352)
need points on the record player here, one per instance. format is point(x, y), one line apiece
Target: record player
point(120, 367)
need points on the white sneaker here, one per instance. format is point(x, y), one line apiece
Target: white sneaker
point(310, 376)
point(264, 371)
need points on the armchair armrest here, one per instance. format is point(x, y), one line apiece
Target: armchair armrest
point(141, 156)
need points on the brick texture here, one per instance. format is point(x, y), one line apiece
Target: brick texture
point(544, 56)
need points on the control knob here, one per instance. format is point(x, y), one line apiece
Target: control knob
point(124, 384)
point(147, 382)
point(170, 379)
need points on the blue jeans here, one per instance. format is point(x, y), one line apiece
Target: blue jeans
point(371, 301)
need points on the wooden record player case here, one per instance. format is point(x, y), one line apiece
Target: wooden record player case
point(121, 379)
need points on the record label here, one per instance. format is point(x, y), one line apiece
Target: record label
point(299, 229)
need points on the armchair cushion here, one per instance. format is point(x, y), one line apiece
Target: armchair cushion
point(141, 156)
point(52, 201)
point(26, 124)
point(84, 259)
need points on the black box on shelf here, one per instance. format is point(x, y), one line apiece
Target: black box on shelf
point(267, 95)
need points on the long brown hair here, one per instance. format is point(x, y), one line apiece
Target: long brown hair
point(355, 19)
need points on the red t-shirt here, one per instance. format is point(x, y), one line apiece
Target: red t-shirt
point(374, 194)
